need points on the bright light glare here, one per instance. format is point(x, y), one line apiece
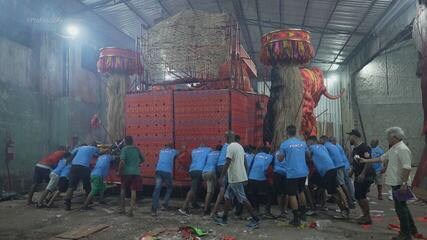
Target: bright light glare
point(72, 30)
point(333, 78)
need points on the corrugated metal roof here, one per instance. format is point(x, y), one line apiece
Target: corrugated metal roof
point(337, 25)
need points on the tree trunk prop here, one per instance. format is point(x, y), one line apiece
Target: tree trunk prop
point(283, 105)
point(286, 51)
point(116, 92)
point(116, 65)
point(419, 34)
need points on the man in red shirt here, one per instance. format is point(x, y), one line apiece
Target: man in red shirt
point(42, 170)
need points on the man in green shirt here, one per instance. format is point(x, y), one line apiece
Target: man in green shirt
point(130, 173)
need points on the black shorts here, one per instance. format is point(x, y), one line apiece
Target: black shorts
point(361, 189)
point(41, 174)
point(258, 187)
point(279, 182)
point(295, 186)
point(315, 179)
point(77, 173)
point(196, 180)
point(329, 181)
point(63, 184)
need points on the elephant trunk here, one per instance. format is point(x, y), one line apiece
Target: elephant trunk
point(333, 97)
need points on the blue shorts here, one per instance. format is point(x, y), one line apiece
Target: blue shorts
point(236, 190)
point(341, 176)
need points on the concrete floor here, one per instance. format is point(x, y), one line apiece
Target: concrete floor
point(18, 221)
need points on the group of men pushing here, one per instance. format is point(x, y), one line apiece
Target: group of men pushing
point(229, 170)
point(64, 170)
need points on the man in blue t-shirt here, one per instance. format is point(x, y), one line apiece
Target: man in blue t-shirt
point(210, 177)
point(250, 152)
point(293, 152)
point(258, 184)
point(164, 172)
point(349, 186)
point(376, 152)
point(80, 170)
point(97, 178)
point(339, 162)
point(327, 169)
point(198, 161)
point(55, 181)
point(279, 183)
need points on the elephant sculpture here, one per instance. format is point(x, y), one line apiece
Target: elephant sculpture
point(419, 34)
point(314, 88)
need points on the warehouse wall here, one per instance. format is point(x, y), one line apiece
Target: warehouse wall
point(347, 114)
point(36, 109)
point(328, 111)
point(46, 96)
point(388, 94)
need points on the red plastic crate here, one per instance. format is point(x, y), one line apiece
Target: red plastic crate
point(191, 117)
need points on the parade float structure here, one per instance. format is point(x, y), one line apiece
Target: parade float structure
point(195, 86)
point(295, 88)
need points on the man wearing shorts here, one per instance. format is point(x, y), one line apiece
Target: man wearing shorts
point(347, 170)
point(237, 178)
point(258, 184)
point(130, 174)
point(97, 178)
point(326, 168)
point(364, 175)
point(279, 183)
point(198, 161)
point(80, 171)
point(338, 160)
point(376, 152)
point(293, 152)
point(164, 171)
point(54, 178)
point(42, 171)
point(63, 184)
point(210, 177)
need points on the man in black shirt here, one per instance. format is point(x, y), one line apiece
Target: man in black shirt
point(364, 174)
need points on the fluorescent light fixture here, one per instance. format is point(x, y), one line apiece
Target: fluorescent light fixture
point(72, 30)
point(333, 78)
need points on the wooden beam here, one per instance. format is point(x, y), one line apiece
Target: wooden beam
point(190, 4)
point(240, 15)
point(133, 9)
point(219, 5)
point(258, 18)
point(163, 7)
point(326, 25)
point(305, 13)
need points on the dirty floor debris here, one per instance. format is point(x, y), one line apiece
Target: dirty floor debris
point(18, 221)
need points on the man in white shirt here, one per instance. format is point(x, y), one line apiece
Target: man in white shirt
point(237, 178)
point(398, 167)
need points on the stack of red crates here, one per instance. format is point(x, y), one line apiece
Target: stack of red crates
point(149, 120)
point(242, 116)
point(201, 117)
point(191, 118)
